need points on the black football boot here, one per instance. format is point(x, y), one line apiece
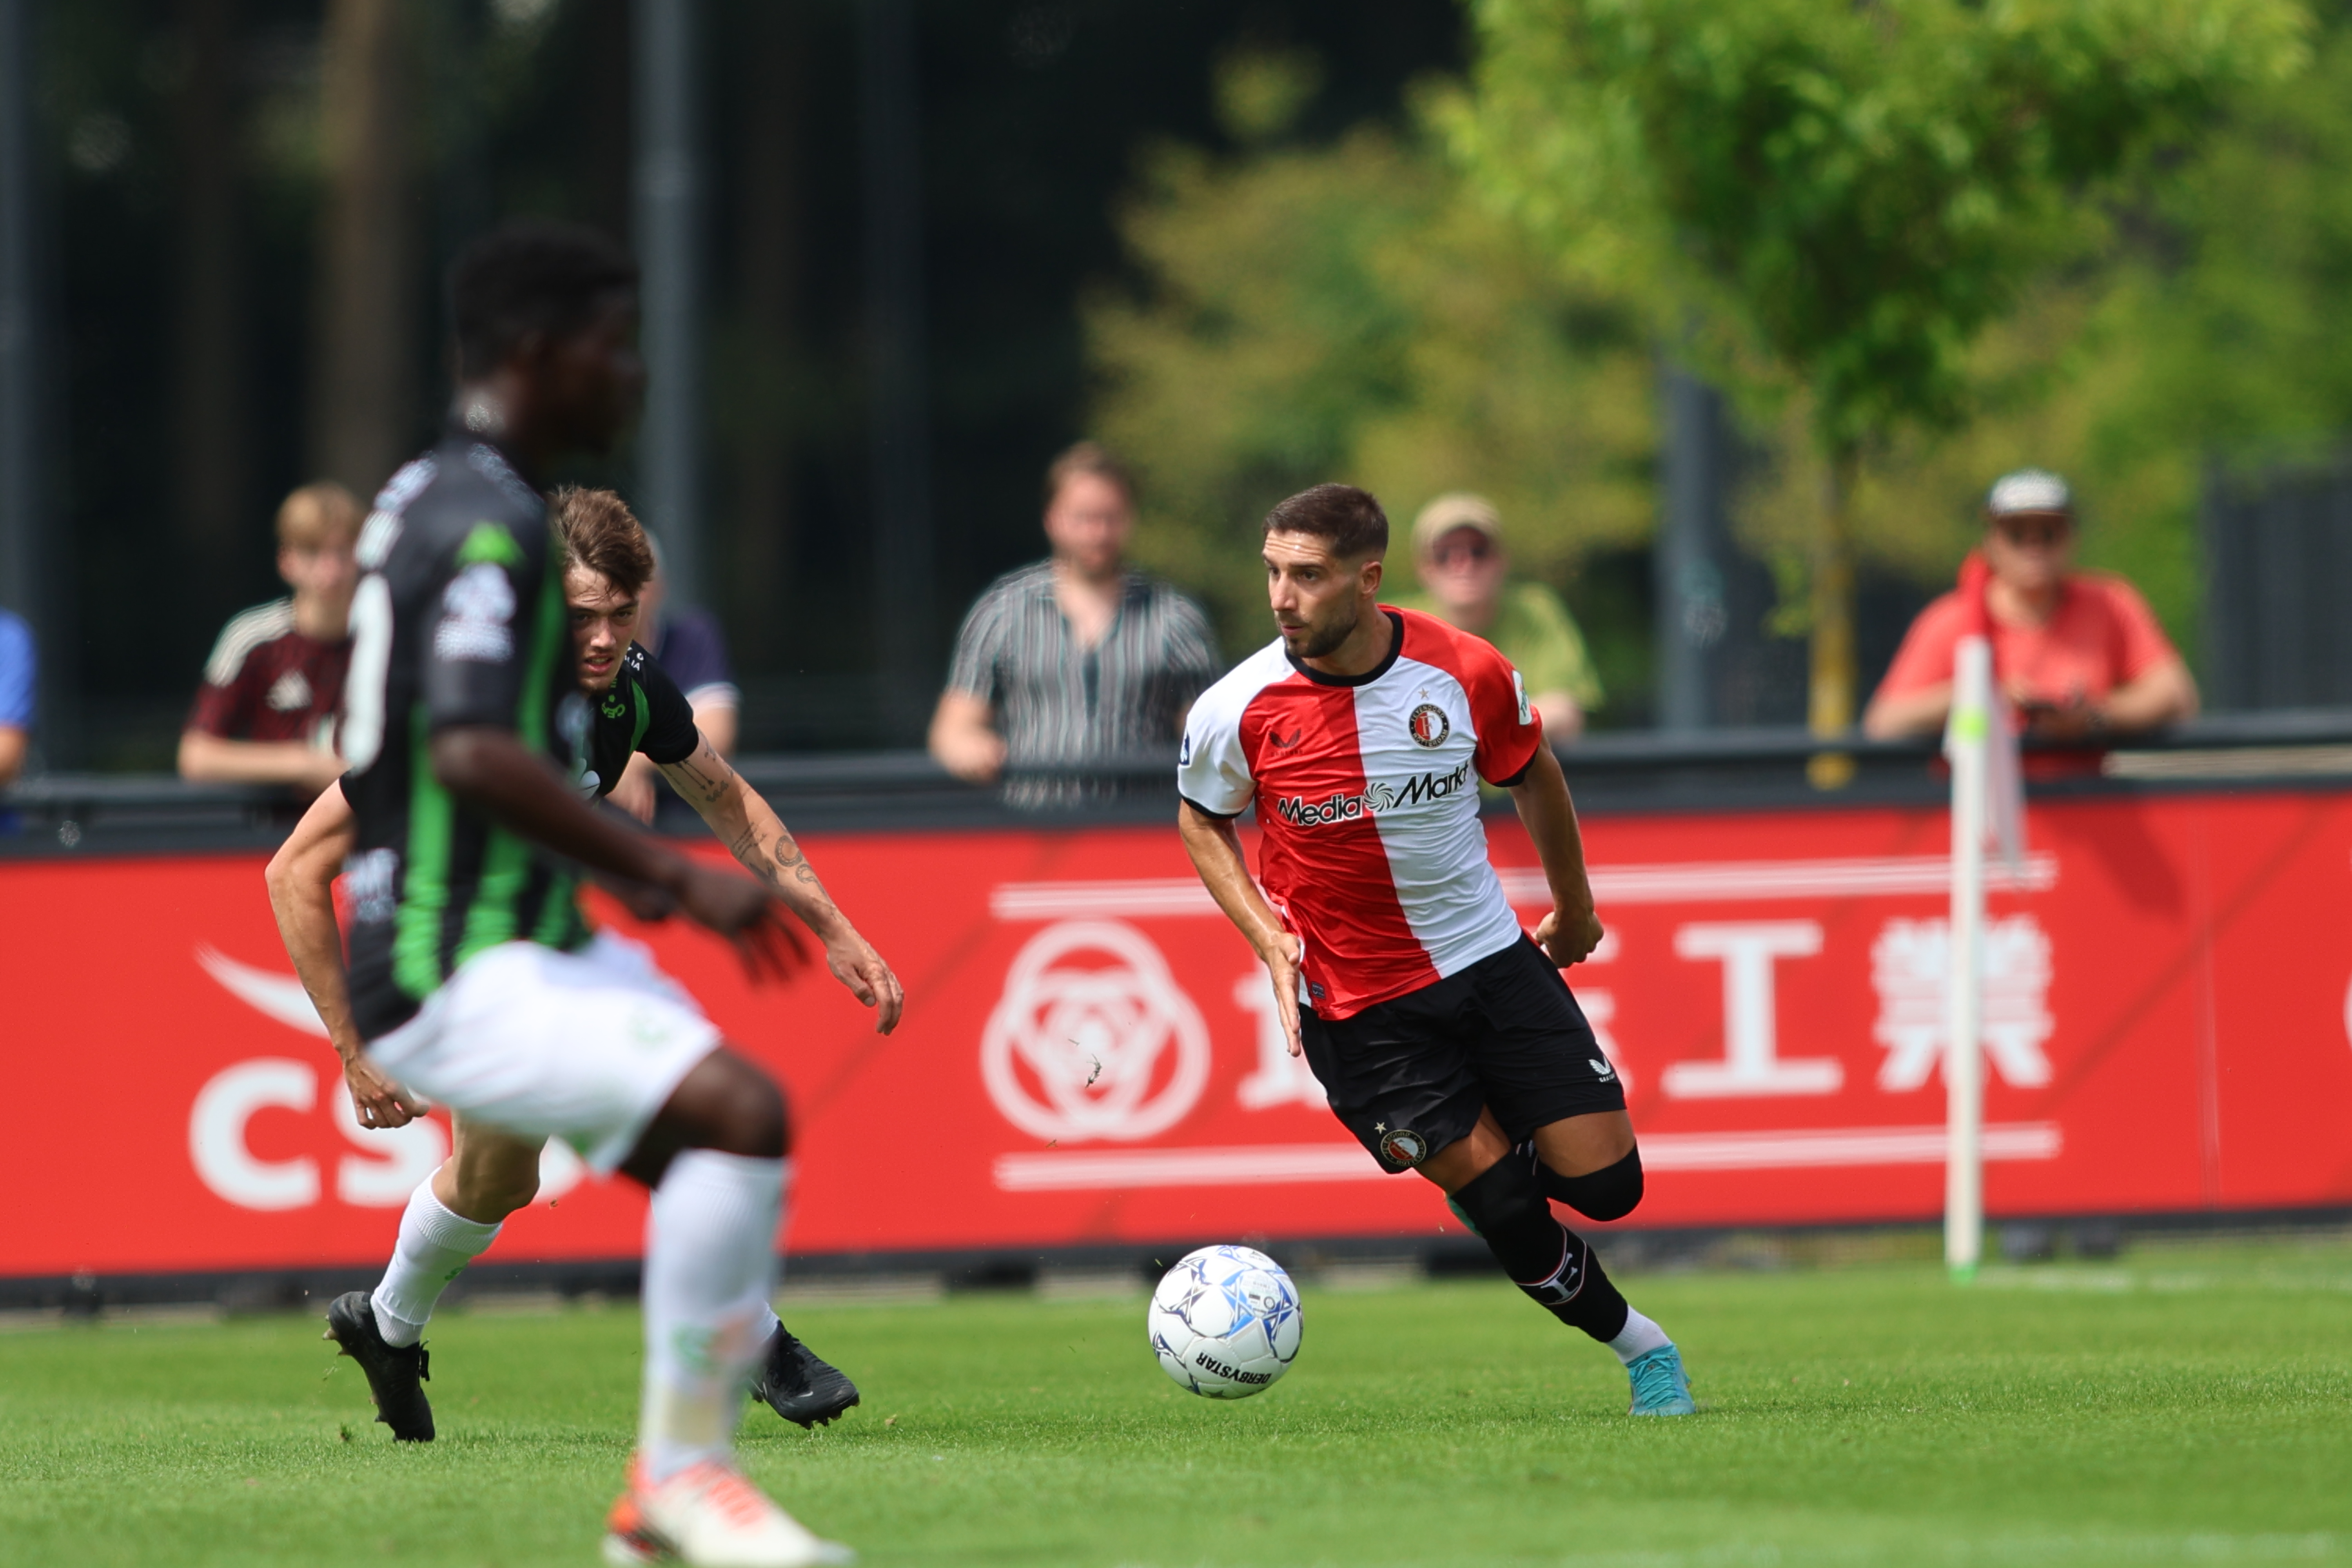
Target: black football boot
point(396, 1373)
point(798, 1385)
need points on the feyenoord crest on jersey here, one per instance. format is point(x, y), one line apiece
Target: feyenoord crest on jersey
point(1365, 791)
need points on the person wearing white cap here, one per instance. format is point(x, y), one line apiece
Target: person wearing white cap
point(2079, 653)
point(1458, 550)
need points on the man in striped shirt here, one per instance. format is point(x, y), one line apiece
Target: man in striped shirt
point(1078, 659)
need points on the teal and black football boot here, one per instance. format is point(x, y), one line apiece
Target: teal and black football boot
point(1660, 1386)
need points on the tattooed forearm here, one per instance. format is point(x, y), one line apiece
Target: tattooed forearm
point(753, 835)
point(791, 862)
point(778, 865)
point(704, 777)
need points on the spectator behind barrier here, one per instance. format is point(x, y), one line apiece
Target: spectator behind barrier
point(265, 712)
point(1457, 549)
point(1078, 659)
point(689, 644)
point(17, 670)
point(2079, 653)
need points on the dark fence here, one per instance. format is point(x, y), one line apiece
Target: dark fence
point(1717, 770)
point(2278, 555)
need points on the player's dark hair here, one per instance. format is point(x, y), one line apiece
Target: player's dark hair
point(1349, 518)
point(599, 531)
point(530, 277)
point(1088, 458)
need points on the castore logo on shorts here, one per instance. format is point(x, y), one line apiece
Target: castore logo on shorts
point(1376, 799)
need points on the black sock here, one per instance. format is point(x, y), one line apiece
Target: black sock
point(1545, 1258)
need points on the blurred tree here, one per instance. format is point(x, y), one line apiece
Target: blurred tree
point(2223, 335)
point(2212, 330)
point(1343, 311)
point(1844, 198)
point(757, 348)
point(208, 391)
point(364, 380)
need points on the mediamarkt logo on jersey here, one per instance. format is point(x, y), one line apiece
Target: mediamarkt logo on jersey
point(1376, 799)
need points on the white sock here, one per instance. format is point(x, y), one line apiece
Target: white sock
point(1638, 1337)
point(710, 1258)
point(435, 1247)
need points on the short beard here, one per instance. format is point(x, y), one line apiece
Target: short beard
point(1320, 644)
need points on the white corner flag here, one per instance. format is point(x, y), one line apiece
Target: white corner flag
point(1988, 802)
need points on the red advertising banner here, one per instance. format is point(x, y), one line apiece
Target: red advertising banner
point(1089, 1055)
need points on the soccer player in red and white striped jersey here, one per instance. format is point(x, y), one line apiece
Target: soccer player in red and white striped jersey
point(1442, 1031)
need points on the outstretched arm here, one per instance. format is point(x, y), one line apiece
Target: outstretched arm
point(1215, 847)
point(634, 793)
point(1569, 933)
point(491, 770)
point(302, 896)
point(750, 829)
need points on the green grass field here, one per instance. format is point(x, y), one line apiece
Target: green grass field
point(2188, 1404)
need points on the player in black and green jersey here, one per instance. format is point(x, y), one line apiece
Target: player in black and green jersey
point(474, 979)
point(456, 1214)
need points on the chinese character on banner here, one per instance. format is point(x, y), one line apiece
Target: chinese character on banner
point(1911, 966)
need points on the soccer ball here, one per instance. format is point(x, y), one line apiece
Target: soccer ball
point(1224, 1321)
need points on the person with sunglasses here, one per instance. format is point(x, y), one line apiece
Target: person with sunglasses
point(2079, 653)
point(1457, 550)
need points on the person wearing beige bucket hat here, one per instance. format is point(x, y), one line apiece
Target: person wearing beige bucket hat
point(1457, 550)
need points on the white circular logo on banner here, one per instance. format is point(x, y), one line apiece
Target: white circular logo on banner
point(1076, 1051)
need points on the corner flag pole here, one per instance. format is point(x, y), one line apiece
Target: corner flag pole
point(1967, 742)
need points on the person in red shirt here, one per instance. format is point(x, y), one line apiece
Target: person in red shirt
point(1443, 1034)
point(2078, 653)
point(265, 712)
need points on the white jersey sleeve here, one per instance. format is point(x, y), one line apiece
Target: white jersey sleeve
point(1213, 771)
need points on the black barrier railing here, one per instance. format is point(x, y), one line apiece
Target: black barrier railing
point(73, 814)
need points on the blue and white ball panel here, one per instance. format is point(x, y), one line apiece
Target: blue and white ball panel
point(1226, 1321)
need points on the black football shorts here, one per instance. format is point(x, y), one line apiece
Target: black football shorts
point(1409, 1076)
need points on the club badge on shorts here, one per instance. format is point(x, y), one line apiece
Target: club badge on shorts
point(1403, 1147)
point(1429, 724)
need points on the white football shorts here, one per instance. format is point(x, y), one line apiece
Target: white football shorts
point(586, 1047)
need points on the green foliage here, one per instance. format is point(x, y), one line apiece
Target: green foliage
point(2242, 289)
point(2212, 329)
point(1851, 194)
point(2139, 268)
point(1261, 92)
point(1345, 312)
